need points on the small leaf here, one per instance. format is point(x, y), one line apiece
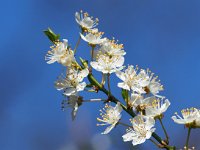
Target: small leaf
point(125, 94)
point(51, 35)
point(84, 63)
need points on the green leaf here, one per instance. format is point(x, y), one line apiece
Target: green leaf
point(51, 35)
point(84, 63)
point(125, 94)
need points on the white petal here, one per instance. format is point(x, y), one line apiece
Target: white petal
point(129, 136)
point(123, 86)
point(69, 91)
point(88, 22)
point(149, 133)
point(139, 140)
point(74, 111)
point(150, 122)
point(165, 106)
point(77, 17)
point(118, 107)
point(108, 129)
point(120, 75)
point(51, 61)
point(81, 86)
point(83, 37)
point(65, 42)
point(179, 121)
point(82, 74)
point(96, 66)
point(120, 62)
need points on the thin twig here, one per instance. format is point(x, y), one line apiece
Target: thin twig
point(124, 124)
point(108, 78)
point(163, 127)
point(188, 137)
point(154, 142)
point(77, 44)
point(94, 100)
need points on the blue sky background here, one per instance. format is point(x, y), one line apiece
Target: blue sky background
point(161, 35)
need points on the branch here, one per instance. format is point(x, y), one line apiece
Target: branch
point(129, 111)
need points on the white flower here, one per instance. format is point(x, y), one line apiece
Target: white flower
point(93, 38)
point(129, 78)
point(190, 116)
point(135, 100)
point(140, 83)
point(150, 84)
point(106, 64)
point(157, 107)
point(73, 101)
point(73, 81)
point(197, 122)
point(110, 116)
point(111, 48)
point(86, 22)
point(60, 53)
point(139, 103)
point(142, 130)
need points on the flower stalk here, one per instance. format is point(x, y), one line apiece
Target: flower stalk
point(188, 137)
point(124, 124)
point(108, 80)
point(77, 44)
point(165, 131)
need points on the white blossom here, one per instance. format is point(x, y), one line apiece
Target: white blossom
point(60, 53)
point(110, 116)
point(157, 107)
point(141, 82)
point(149, 83)
point(93, 38)
point(197, 121)
point(73, 101)
point(111, 48)
point(106, 64)
point(139, 103)
point(85, 21)
point(142, 129)
point(190, 116)
point(129, 78)
point(135, 100)
point(73, 81)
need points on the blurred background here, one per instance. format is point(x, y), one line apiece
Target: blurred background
point(161, 35)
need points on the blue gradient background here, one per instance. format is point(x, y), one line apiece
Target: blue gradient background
point(161, 35)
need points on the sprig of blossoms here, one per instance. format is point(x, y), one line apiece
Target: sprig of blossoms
point(140, 88)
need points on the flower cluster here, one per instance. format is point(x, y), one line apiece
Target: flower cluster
point(140, 88)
